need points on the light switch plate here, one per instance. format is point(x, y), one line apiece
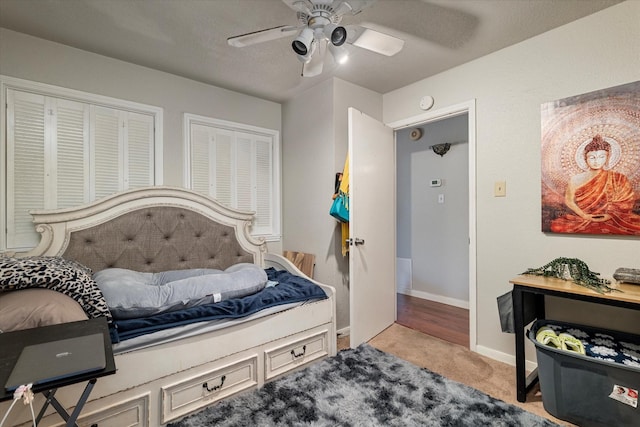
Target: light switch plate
point(500, 189)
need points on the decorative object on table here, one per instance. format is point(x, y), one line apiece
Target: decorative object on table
point(591, 162)
point(627, 275)
point(575, 270)
point(363, 387)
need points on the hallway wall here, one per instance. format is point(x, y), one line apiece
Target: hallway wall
point(434, 236)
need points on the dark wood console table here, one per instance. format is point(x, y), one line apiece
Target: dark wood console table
point(528, 305)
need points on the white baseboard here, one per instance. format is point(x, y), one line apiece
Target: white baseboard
point(344, 332)
point(504, 357)
point(403, 275)
point(437, 298)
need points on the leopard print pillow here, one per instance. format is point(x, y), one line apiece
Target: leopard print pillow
point(58, 274)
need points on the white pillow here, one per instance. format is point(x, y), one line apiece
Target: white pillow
point(131, 294)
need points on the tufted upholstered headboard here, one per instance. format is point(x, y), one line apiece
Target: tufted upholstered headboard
point(151, 229)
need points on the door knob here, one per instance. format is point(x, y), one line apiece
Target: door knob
point(355, 241)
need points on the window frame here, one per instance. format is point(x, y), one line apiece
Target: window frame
point(191, 119)
point(48, 90)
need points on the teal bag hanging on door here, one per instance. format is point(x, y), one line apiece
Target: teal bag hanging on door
point(340, 208)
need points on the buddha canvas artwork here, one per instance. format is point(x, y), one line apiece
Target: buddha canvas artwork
point(591, 163)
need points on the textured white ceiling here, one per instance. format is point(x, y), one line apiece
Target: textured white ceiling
point(188, 37)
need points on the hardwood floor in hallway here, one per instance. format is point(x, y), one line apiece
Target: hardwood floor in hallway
point(442, 321)
point(438, 320)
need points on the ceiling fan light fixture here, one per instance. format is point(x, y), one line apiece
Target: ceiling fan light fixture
point(304, 59)
point(319, 29)
point(310, 52)
point(302, 43)
point(336, 34)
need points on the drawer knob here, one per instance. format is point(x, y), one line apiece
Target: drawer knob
point(215, 387)
point(304, 349)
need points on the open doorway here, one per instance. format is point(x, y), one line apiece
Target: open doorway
point(436, 221)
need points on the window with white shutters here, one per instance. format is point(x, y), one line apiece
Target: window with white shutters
point(26, 165)
point(237, 165)
point(63, 152)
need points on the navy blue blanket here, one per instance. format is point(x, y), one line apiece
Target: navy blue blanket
point(290, 289)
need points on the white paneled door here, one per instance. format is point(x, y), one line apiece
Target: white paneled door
point(372, 226)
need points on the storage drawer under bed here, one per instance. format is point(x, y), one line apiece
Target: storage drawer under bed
point(295, 353)
point(197, 392)
point(130, 413)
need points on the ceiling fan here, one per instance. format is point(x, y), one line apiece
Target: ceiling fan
point(319, 30)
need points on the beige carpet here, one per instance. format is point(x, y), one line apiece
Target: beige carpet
point(458, 363)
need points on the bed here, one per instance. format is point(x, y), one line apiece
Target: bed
point(173, 362)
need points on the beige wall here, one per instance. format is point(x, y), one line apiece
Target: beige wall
point(314, 146)
point(307, 177)
point(599, 51)
point(35, 59)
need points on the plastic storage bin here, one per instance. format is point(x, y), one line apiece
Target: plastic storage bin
point(588, 390)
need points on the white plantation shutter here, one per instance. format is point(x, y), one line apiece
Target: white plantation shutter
point(72, 153)
point(200, 152)
point(63, 153)
point(139, 148)
point(223, 160)
point(244, 173)
point(236, 165)
point(264, 184)
point(25, 164)
point(106, 134)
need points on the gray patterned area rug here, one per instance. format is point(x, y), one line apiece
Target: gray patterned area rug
point(363, 387)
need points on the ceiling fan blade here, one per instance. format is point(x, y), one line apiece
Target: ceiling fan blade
point(314, 66)
point(373, 40)
point(262, 36)
point(439, 22)
point(351, 7)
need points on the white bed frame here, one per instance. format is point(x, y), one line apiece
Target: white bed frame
point(162, 383)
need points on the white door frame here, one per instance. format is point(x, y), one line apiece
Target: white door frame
point(469, 108)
